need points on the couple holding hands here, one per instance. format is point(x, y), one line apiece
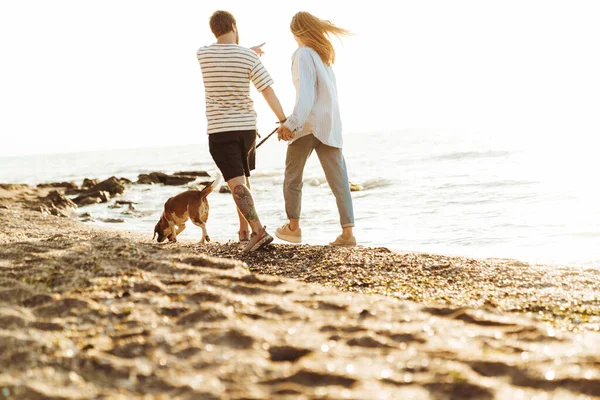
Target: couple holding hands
point(315, 124)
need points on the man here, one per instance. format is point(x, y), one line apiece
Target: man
point(227, 70)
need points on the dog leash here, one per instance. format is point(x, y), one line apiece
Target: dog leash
point(270, 134)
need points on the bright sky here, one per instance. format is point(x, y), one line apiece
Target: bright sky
point(83, 75)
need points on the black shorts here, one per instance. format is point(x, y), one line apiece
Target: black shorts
point(234, 152)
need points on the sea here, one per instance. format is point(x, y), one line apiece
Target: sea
point(482, 195)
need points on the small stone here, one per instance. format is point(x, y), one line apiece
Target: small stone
point(355, 187)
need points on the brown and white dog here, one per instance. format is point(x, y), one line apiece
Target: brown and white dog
point(192, 205)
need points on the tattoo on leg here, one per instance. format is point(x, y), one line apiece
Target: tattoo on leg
point(245, 203)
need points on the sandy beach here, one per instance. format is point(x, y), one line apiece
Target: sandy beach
point(87, 313)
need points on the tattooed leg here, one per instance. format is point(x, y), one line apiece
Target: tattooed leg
point(245, 202)
point(244, 231)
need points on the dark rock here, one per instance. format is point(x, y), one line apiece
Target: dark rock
point(125, 181)
point(112, 220)
point(224, 189)
point(144, 179)
point(193, 173)
point(66, 185)
point(176, 180)
point(44, 209)
point(89, 183)
point(57, 204)
point(120, 203)
point(158, 177)
point(132, 212)
point(111, 185)
point(72, 192)
point(153, 177)
point(58, 200)
point(101, 192)
point(87, 199)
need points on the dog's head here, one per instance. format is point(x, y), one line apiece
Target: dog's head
point(162, 230)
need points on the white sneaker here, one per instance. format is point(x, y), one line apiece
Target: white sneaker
point(285, 233)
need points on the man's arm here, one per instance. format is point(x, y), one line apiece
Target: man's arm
point(258, 49)
point(273, 102)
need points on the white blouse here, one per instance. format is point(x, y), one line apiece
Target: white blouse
point(317, 108)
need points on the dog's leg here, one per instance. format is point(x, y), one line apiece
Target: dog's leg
point(202, 225)
point(198, 211)
point(205, 233)
point(173, 237)
point(177, 231)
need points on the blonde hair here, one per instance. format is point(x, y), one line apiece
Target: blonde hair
point(316, 33)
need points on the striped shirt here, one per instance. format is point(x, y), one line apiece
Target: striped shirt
point(227, 70)
point(317, 108)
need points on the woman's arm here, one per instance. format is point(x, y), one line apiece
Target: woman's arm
point(304, 68)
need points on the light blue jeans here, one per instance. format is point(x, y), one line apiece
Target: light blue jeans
point(334, 166)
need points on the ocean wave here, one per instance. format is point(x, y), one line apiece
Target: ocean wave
point(491, 184)
point(462, 155)
point(267, 174)
point(368, 184)
point(587, 234)
point(375, 183)
point(315, 181)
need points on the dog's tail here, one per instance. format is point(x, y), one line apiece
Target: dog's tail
point(214, 184)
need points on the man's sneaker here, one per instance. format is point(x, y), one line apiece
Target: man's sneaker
point(258, 240)
point(285, 233)
point(340, 241)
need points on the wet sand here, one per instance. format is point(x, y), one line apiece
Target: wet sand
point(89, 313)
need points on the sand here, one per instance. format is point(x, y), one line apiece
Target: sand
point(90, 313)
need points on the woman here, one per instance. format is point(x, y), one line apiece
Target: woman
point(316, 125)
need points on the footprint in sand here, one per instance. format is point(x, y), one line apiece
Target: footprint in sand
point(312, 378)
point(233, 338)
point(62, 308)
point(203, 297)
point(367, 341)
point(37, 300)
point(208, 314)
point(287, 353)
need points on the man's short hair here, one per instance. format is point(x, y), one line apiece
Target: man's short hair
point(221, 22)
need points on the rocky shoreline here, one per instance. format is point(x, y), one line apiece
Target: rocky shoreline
point(63, 198)
point(89, 313)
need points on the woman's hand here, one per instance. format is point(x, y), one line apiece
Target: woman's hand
point(283, 133)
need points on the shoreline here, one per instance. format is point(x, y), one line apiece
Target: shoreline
point(397, 250)
point(87, 312)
